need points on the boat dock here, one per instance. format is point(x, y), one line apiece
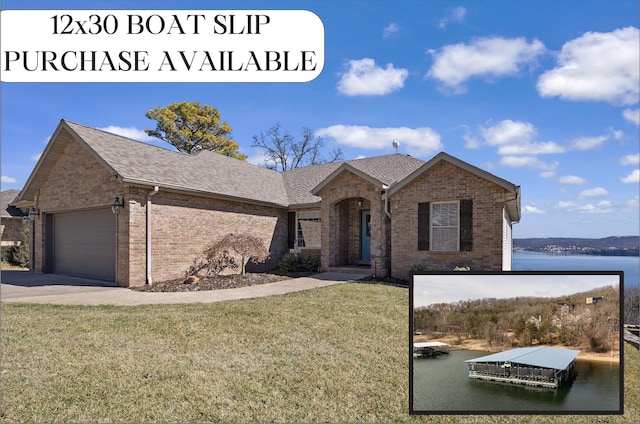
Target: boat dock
point(429, 349)
point(543, 366)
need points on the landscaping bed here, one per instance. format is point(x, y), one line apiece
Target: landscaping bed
point(217, 282)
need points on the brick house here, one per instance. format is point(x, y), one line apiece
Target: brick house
point(11, 224)
point(383, 214)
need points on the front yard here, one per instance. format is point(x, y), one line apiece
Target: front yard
point(335, 354)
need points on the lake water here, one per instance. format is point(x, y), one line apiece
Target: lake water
point(442, 385)
point(534, 261)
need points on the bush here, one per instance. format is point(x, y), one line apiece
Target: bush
point(288, 263)
point(221, 255)
point(309, 263)
point(416, 268)
point(292, 263)
point(18, 255)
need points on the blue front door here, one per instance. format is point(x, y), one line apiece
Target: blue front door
point(365, 235)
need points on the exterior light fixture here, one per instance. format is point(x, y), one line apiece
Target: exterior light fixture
point(360, 203)
point(117, 205)
point(25, 219)
point(33, 214)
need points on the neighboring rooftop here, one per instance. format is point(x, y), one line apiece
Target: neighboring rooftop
point(8, 196)
point(542, 356)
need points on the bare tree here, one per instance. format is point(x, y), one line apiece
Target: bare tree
point(283, 152)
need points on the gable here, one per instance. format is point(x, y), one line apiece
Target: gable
point(138, 163)
point(511, 191)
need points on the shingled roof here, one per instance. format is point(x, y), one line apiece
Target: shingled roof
point(210, 173)
point(8, 211)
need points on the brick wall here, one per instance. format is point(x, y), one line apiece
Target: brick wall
point(77, 181)
point(446, 182)
point(341, 222)
point(184, 226)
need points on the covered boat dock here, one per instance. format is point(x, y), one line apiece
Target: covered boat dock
point(532, 366)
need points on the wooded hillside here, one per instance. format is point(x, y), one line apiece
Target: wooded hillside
point(526, 321)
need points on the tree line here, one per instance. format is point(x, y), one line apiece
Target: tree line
point(526, 321)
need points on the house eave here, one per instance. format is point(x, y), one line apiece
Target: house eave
point(185, 190)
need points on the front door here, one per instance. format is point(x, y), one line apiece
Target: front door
point(365, 235)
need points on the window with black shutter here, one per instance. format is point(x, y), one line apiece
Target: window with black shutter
point(445, 226)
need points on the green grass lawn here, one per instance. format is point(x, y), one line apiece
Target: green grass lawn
point(335, 354)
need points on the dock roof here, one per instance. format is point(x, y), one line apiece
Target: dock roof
point(429, 344)
point(543, 356)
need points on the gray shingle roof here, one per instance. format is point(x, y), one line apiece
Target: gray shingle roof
point(8, 196)
point(386, 169)
point(204, 172)
point(213, 174)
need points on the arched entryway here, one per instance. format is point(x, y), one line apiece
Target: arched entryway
point(351, 231)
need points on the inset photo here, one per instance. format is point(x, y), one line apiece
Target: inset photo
point(516, 343)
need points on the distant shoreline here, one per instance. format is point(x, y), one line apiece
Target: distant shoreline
point(624, 253)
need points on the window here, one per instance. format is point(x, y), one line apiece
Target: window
point(445, 226)
point(308, 229)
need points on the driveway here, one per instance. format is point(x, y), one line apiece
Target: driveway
point(29, 287)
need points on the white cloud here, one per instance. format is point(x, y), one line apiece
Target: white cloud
point(531, 148)
point(508, 132)
point(529, 209)
point(516, 138)
point(632, 115)
point(612, 78)
point(588, 143)
point(365, 78)
point(390, 30)
point(35, 158)
point(530, 162)
point(632, 178)
point(453, 15)
point(630, 159)
point(565, 205)
point(633, 203)
point(8, 180)
point(129, 132)
point(484, 58)
point(593, 192)
point(421, 141)
point(572, 179)
point(602, 207)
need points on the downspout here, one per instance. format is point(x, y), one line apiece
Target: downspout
point(151, 193)
point(386, 200)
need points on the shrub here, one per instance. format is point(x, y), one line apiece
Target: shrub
point(249, 248)
point(292, 263)
point(309, 263)
point(415, 268)
point(288, 263)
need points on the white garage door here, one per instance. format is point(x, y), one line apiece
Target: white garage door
point(85, 244)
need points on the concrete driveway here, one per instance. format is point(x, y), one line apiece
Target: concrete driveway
point(29, 287)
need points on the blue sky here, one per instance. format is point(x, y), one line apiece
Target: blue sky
point(541, 93)
point(432, 289)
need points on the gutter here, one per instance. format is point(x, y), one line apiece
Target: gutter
point(148, 273)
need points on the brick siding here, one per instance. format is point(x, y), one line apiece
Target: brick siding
point(446, 182)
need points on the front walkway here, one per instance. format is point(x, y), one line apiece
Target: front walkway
point(29, 287)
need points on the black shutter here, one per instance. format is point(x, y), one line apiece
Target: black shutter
point(293, 227)
point(423, 226)
point(466, 225)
